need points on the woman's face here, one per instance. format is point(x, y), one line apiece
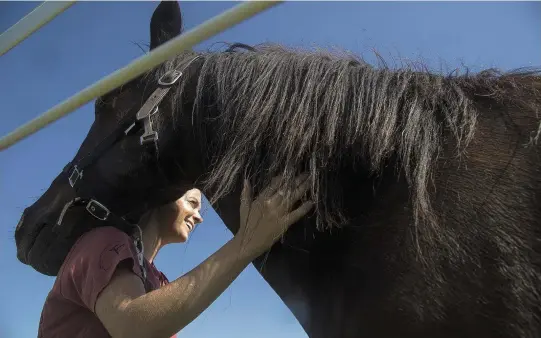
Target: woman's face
point(182, 217)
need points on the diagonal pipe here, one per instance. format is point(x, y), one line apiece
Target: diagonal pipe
point(140, 65)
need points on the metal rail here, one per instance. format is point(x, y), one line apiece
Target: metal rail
point(33, 21)
point(166, 51)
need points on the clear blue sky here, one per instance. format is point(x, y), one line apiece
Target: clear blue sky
point(92, 39)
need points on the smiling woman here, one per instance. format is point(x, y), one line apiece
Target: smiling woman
point(102, 252)
point(181, 217)
point(109, 279)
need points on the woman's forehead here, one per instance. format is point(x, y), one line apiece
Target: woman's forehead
point(193, 193)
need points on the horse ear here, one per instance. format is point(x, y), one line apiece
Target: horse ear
point(166, 23)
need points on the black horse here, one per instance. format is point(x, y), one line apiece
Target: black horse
point(428, 220)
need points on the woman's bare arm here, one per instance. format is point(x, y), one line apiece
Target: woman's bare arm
point(127, 312)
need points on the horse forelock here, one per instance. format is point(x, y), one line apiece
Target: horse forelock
point(282, 109)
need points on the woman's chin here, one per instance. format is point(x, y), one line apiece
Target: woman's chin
point(183, 238)
point(182, 235)
point(178, 233)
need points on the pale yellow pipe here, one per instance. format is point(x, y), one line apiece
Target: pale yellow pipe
point(157, 56)
point(33, 21)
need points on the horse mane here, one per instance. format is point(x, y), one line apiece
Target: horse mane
point(283, 109)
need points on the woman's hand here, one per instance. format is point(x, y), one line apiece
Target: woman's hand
point(266, 218)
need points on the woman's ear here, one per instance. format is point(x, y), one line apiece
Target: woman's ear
point(165, 24)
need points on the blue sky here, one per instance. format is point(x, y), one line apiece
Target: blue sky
point(92, 39)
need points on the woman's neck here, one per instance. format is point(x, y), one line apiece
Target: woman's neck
point(152, 242)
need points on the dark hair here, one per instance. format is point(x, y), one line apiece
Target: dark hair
point(371, 115)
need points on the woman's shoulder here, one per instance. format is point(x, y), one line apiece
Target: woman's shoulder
point(100, 243)
point(92, 262)
point(104, 232)
point(104, 235)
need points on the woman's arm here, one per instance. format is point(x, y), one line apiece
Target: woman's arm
point(126, 311)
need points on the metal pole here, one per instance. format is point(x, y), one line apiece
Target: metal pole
point(33, 21)
point(166, 51)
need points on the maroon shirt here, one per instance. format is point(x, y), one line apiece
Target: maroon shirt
point(69, 310)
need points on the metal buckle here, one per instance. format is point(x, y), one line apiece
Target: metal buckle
point(153, 111)
point(149, 137)
point(75, 175)
point(170, 78)
point(97, 210)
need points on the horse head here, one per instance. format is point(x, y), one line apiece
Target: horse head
point(117, 161)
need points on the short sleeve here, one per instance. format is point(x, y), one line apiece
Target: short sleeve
point(91, 263)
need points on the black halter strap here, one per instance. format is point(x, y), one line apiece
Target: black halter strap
point(239, 45)
point(149, 139)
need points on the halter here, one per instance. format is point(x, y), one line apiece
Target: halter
point(127, 126)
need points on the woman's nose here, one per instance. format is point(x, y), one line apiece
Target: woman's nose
point(198, 218)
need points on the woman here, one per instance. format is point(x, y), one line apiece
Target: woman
point(101, 289)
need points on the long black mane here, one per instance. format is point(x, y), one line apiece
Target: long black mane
point(318, 110)
point(275, 111)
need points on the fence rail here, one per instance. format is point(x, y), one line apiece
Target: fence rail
point(157, 56)
point(33, 21)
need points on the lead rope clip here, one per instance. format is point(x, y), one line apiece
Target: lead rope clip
point(140, 250)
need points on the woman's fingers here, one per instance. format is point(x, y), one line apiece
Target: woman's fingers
point(267, 217)
point(279, 198)
point(302, 184)
point(272, 189)
point(246, 195)
point(302, 188)
point(301, 178)
point(245, 200)
point(269, 191)
point(298, 213)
